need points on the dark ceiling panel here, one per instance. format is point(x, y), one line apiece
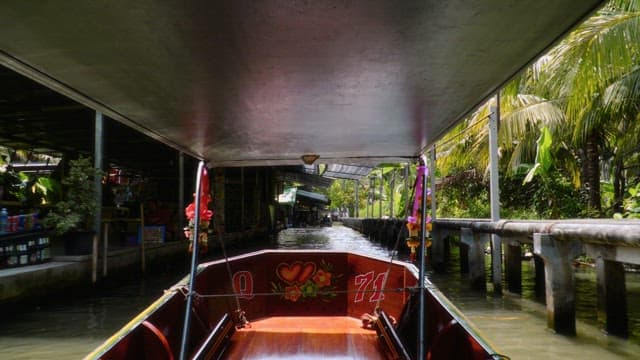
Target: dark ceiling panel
point(33, 117)
point(262, 82)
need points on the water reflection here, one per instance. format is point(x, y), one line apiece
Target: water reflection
point(517, 324)
point(337, 238)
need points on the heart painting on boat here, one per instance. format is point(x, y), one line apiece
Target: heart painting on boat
point(305, 280)
point(296, 273)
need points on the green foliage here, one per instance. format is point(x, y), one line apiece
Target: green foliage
point(342, 194)
point(11, 183)
point(465, 195)
point(79, 205)
point(631, 204)
point(586, 93)
point(549, 197)
point(544, 160)
point(32, 190)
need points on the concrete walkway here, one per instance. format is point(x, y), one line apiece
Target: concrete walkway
point(65, 272)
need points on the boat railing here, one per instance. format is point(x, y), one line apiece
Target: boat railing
point(217, 340)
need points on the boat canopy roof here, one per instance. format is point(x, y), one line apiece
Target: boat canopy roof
point(246, 83)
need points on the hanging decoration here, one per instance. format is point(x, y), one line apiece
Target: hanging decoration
point(206, 215)
point(414, 220)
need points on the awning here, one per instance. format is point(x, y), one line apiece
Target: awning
point(344, 171)
point(302, 178)
point(315, 197)
point(290, 195)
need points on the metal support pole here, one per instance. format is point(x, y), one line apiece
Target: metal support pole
point(372, 184)
point(423, 229)
point(194, 264)
point(356, 207)
point(242, 209)
point(381, 190)
point(496, 243)
point(181, 201)
point(97, 185)
point(406, 189)
point(391, 192)
point(143, 250)
point(367, 202)
point(432, 177)
point(438, 245)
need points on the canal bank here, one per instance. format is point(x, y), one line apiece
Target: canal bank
point(64, 272)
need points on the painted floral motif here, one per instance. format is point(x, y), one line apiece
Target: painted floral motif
point(322, 278)
point(299, 281)
point(292, 293)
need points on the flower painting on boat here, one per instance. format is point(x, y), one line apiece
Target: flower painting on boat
point(298, 281)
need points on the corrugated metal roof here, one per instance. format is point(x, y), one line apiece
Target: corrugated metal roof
point(345, 171)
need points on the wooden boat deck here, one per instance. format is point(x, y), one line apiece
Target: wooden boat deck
point(319, 337)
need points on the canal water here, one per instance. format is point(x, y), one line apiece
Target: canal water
point(69, 327)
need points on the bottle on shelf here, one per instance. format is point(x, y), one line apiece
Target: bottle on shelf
point(4, 221)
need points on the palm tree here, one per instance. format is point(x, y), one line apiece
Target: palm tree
point(586, 90)
point(593, 72)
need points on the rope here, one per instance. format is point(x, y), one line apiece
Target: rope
point(178, 288)
point(318, 293)
point(395, 247)
point(241, 319)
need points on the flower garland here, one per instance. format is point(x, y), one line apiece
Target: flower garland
point(206, 215)
point(415, 219)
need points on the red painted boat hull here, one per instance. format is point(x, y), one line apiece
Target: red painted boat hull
point(276, 289)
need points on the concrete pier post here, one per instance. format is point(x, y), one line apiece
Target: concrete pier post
point(438, 249)
point(476, 244)
point(612, 296)
point(539, 287)
point(513, 265)
point(611, 289)
point(464, 257)
point(559, 281)
point(496, 263)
